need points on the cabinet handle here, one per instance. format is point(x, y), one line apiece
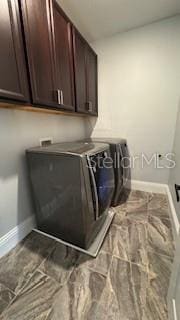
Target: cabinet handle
point(90, 106)
point(177, 189)
point(62, 97)
point(59, 96)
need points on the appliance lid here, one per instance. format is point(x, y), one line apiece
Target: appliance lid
point(75, 148)
point(107, 140)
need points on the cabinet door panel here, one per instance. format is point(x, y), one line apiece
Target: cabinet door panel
point(79, 46)
point(37, 25)
point(63, 57)
point(92, 81)
point(13, 72)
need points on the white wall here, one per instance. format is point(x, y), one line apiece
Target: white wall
point(19, 131)
point(139, 90)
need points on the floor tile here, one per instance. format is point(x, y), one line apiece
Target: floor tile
point(136, 207)
point(132, 242)
point(98, 311)
point(140, 285)
point(136, 212)
point(76, 299)
point(136, 195)
point(155, 309)
point(100, 264)
point(110, 240)
point(3, 305)
point(137, 201)
point(6, 296)
point(126, 290)
point(162, 221)
point(120, 215)
point(160, 213)
point(160, 238)
point(138, 215)
point(60, 263)
point(128, 280)
point(159, 275)
point(35, 301)
point(94, 281)
point(158, 201)
point(106, 308)
point(17, 267)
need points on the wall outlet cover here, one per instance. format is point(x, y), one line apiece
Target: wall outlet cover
point(45, 141)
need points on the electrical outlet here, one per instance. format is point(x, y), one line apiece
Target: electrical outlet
point(45, 141)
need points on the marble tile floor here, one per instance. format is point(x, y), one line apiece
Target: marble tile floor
point(44, 280)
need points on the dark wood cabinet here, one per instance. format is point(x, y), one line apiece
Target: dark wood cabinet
point(62, 40)
point(37, 26)
point(91, 65)
point(85, 62)
point(13, 75)
point(44, 60)
point(79, 46)
point(49, 49)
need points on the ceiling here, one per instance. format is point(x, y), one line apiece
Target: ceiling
point(97, 19)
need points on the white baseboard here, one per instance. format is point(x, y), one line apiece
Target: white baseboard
point(14, 236)
point(149, 186)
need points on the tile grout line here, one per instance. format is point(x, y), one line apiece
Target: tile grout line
point(133, 263)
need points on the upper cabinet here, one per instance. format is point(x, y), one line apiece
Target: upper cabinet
point(62, 40)
point(13, 74)
point(85, 62)
point(91, 65)
point(79, 46)
point(37, 26)
point(44, 60)
point(49, 50)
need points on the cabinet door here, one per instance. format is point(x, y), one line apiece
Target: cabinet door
point(13, 76)
point(91, 65)
point(79, 47)
point(62, 36)
point(38, 35)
